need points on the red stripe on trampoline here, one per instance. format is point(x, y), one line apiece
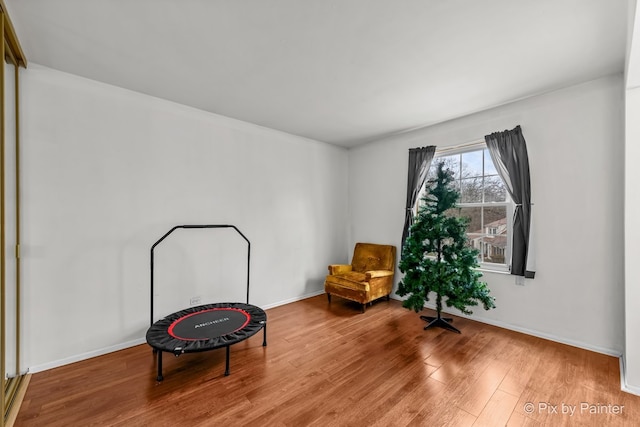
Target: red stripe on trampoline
point(175, 322)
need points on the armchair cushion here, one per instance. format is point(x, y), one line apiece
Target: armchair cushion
point(369, 256)
point(367, 278)
point(353, 280)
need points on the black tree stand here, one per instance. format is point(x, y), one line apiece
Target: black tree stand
point(438, 321)
point(442, 322)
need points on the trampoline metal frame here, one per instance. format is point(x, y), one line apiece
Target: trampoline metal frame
point(159, 352)
point(200, 226)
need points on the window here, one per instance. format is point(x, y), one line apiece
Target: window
point(483, 199)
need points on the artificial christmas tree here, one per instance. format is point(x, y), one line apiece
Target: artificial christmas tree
point(436, 257)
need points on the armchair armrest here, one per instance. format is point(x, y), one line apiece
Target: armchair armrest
point(339, 268)
point(377, 273)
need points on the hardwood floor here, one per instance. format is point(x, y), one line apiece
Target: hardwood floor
point(333, 366)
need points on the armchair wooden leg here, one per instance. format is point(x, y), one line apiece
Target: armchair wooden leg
point(364, 306)
point(329, 298)
point(388, 297)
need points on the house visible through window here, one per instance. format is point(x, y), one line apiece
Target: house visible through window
point(483, 199)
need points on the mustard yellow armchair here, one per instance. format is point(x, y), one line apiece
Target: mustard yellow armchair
point(367, 278)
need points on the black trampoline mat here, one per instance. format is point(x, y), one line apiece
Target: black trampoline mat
point(206, 327)
point(208, 324)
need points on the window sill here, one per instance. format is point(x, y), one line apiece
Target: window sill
point(497, 270)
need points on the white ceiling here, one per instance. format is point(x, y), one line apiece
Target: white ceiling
point(339, 71)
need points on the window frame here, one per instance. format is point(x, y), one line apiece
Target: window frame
point(478, 146)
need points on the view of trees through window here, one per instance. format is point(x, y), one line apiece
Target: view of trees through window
point(483, 199)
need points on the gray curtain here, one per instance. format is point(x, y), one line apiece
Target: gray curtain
point(509, 154)
point(419, 162)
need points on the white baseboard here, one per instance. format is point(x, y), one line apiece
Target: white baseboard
point(138, 341)
point(535, 333)
point(290, 300)
point(624, 386)
point(84, 356)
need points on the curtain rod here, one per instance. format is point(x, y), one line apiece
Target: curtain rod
point(460, 147)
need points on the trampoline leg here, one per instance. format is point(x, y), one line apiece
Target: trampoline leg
point(159, 377)
point(264, 339)
point(226, 370)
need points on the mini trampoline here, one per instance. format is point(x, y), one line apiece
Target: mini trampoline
point(205, 327)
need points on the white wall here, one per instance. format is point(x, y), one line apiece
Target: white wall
point(632, 203)
point(632, 236)
point(575, 142)
point(108, 171)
